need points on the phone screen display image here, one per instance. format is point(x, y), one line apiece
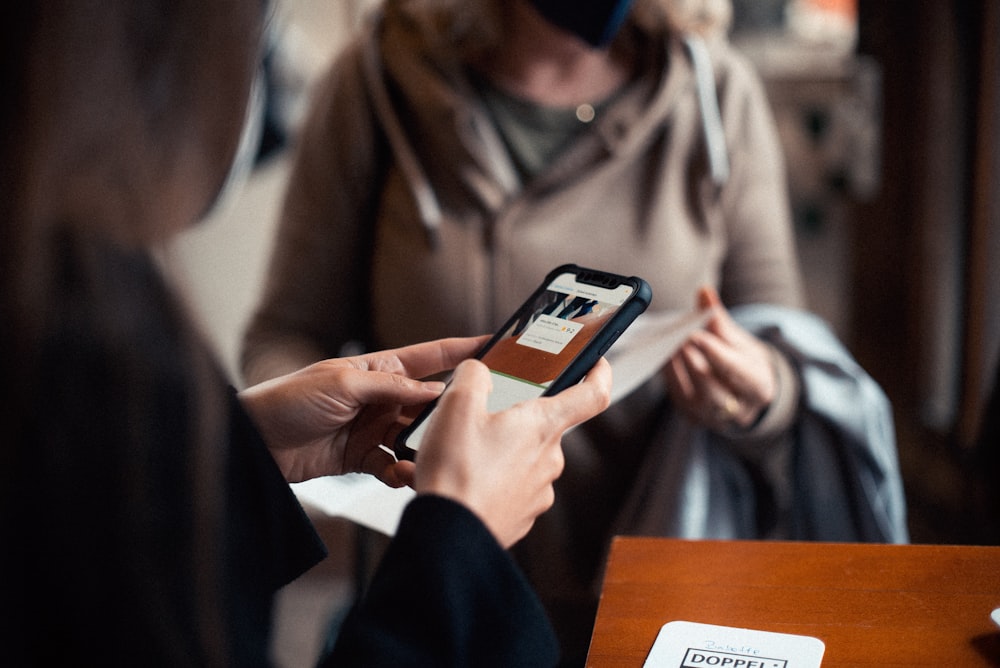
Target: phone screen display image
point(543, 339)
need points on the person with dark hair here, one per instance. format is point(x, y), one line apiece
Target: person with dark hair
point(144, 505)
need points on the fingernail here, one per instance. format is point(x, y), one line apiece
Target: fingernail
point(436, 385)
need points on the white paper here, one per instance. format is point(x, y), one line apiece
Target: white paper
point(638, 354)
point(358, 497)
point(692, 645)
point(645, 347)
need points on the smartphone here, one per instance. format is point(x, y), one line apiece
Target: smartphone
point(552, 340)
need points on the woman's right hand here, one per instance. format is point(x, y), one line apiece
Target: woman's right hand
point(723, 376)
point(502, 465)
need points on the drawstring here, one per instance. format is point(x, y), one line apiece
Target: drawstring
point(427, 202)
point(423, 194)
point(711, 120)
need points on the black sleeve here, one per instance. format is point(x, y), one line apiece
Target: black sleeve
point(144, 521)
point(446, 594)
point(269, 539)
point(266, 517)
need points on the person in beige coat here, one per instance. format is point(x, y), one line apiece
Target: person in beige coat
point(457, 151)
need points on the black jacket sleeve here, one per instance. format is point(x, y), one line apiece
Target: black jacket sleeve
point(445, 594)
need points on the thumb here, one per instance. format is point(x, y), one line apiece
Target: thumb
point(471, 382)
point(708, 297)
point(720, 324)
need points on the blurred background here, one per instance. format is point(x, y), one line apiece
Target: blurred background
point(888, 111)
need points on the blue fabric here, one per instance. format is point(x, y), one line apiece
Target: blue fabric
point(847, 484)
point(835, 476)
point(596, 22)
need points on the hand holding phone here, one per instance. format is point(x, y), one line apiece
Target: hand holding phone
point(552, 340)
point(502, 465)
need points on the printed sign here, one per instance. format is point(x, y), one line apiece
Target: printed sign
point(693, 645)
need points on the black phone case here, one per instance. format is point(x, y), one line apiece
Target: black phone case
point(586, 358)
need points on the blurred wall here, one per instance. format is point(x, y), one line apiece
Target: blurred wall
point(220, 263)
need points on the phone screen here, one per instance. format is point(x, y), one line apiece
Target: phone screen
point(543, 339)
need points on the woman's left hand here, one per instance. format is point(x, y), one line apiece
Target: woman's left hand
point(331, 417)
point(723, 376)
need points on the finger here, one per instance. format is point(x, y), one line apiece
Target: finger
point(697, 367)
point(745, 372)
point(723, 360)
point(708, 297)
point(678, 380)
point(400, 474)
point(709, 393)
point(424, 359)
point(469, 387)
point(384, 465)
point(378, 387)
point(557, 462)
point(584, 400)
point(721, 323)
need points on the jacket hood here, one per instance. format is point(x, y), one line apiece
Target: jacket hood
point(425, 107)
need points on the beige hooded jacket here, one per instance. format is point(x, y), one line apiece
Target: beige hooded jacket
point(399, 155)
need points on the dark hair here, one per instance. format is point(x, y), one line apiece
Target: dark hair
point(105, 103)
point(118, 122)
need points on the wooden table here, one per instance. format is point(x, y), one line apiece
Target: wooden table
point(873, 605)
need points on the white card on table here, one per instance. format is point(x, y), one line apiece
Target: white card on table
point(693, 645)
